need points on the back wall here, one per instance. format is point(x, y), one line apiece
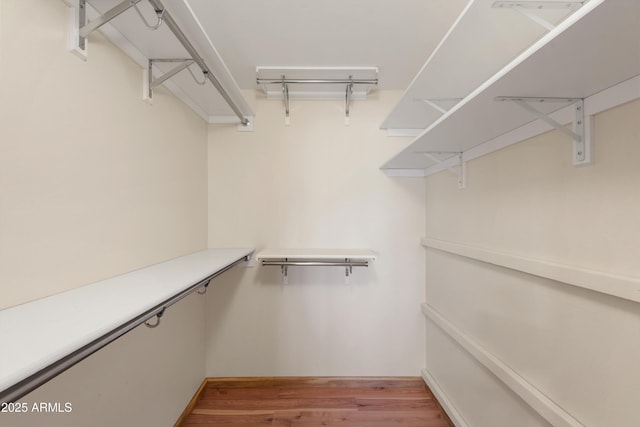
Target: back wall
point(315, 184)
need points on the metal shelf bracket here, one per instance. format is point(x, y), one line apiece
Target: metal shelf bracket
point(285, 96)
point(347, 100)
point(149, 83)
point(460, 171)
point(81, 28)
point(527, 8)
point(436, 103)
point(582, 133)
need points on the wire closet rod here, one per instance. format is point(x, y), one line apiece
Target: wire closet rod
point(317, 81)
point(175, 29)
point(34, 381)
point(317, 263)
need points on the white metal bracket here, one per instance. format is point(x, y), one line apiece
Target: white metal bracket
point(285, 97)
point(347, 100)
point(460, 171)
point(582, 124)
point(436, 103)
point(80, 28)
point(149, 83)
point(526, 8)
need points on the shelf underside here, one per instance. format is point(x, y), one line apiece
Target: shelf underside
point(572, 62)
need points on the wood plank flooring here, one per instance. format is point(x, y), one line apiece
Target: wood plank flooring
point(315, 401)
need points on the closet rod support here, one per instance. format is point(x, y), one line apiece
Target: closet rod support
point(348, 93)
point(88, 28)
point(182, 38)
point(285, 97)
point(157, 316)
point(158, 81)
point(159, 15)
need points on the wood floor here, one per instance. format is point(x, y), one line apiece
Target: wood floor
point(318, 401)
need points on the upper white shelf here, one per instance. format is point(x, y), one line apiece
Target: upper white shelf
point(481, 41)
point(40, 333)
point(130, 34)
point(594, 49)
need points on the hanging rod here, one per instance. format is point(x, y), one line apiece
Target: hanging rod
point(317, 81)
point(34, 381)
point(317, 263)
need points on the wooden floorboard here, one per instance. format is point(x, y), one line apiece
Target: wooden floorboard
point(315, 401)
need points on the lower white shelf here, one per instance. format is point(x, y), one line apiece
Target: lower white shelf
point(42, 338)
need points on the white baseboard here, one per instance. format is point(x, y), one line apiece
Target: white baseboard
point(443, 399)
point(537, 400)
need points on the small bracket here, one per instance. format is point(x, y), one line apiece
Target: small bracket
point(460, 172)
point(526, 8)
point(149, 83)
point(348, 270)
point(285, 96)
point(347, 99)
point(582, 124)
point(157, 316)
point(203, 289)
point(285, 274)
point(81, 29)
point(435, 103)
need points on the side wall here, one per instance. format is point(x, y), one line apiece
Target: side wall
point(95, 183)
point(315, 184)
point(576, 347)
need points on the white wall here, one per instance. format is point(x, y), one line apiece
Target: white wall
point(315, 184)
point(577, 347)
point(94, 183)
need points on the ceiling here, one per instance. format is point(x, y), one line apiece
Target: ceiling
point(396, 36)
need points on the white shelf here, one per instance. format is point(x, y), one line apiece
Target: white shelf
point(481, 41)
point(129, 33)
point(40, 333)
point(321, 254)
point(572, 61)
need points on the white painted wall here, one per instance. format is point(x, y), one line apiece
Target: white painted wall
point(578, 347)
point(94, 183)
point(315, 184)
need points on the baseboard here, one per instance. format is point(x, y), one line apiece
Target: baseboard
point(537, 400)
point(448, 407)
point(192, 404)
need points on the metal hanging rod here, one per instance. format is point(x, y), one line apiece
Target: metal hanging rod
point(164, 17)
point(317, 263)
point(34, 381)
point(316, 81)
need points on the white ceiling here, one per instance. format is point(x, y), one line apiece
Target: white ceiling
point(396, 36)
